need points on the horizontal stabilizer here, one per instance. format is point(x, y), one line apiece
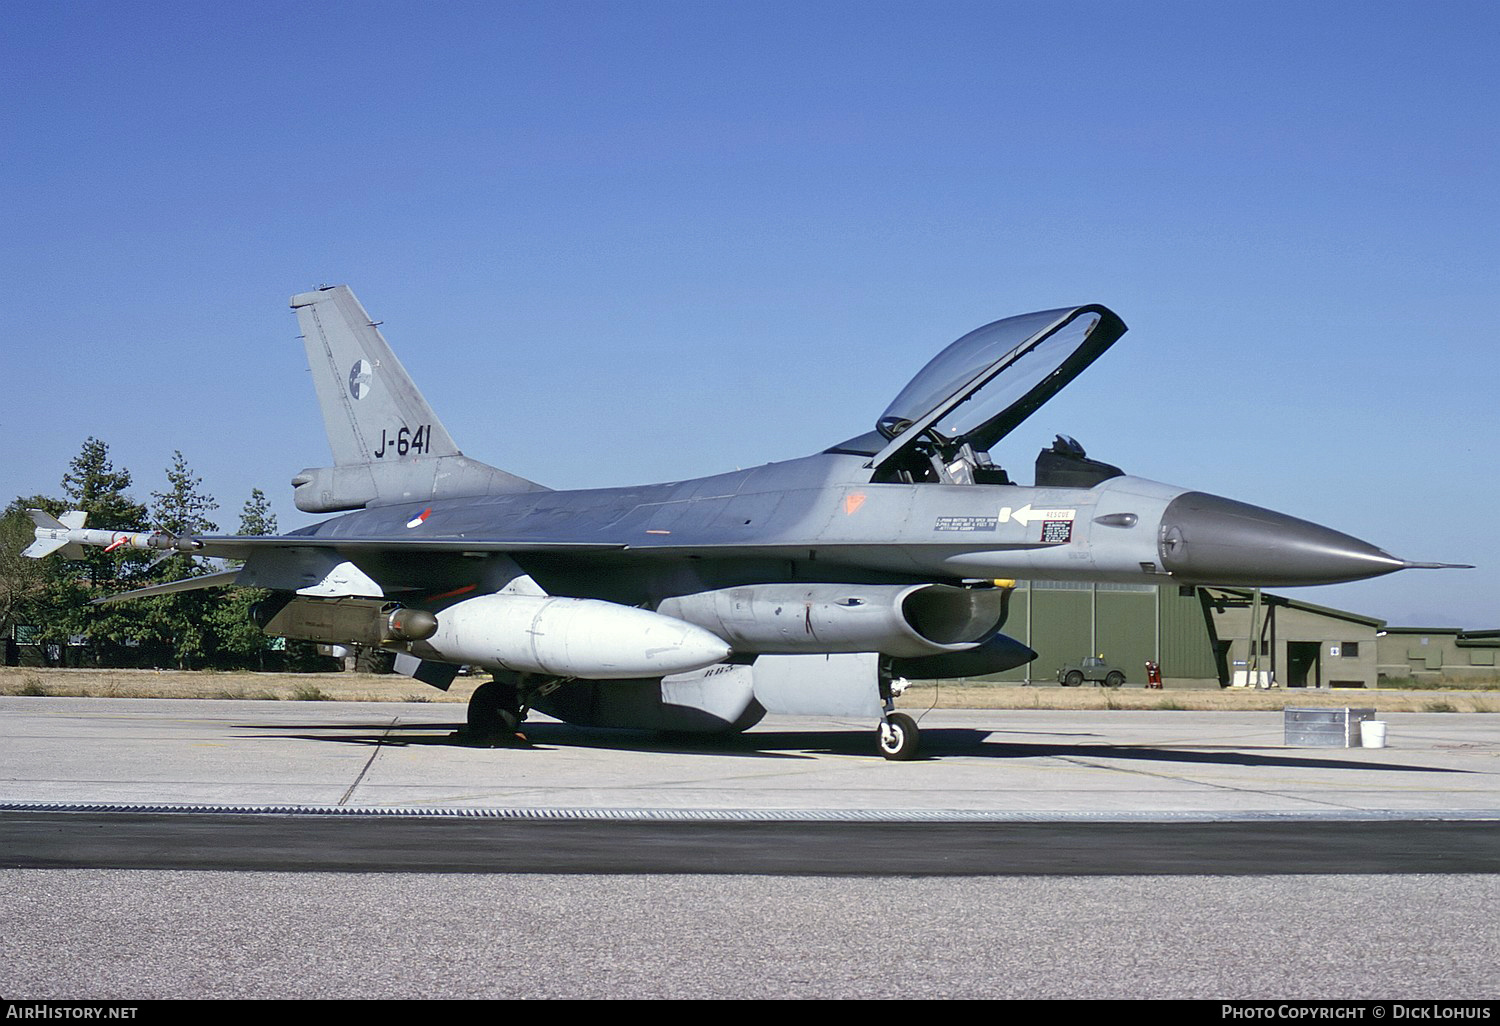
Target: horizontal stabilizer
point(360, 485)
point(219, 580)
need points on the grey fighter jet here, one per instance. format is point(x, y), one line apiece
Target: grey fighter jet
point(796, 587)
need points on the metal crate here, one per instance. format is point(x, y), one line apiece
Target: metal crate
point(1324, 728)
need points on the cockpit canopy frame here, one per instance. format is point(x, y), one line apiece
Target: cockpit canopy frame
point(977, 390)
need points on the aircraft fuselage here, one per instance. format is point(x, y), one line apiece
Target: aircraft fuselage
point(819, 518)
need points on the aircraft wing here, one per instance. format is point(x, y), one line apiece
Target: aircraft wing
point(334, 564)
point(239, 547)
point(52, 536)
point(232, 547)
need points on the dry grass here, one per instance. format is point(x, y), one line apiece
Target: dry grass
point(362, 687)
point(291, 687)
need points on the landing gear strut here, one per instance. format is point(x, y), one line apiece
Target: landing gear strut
point(896, 736)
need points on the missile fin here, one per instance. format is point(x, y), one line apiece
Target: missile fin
point(48, 528)
point(45, 547)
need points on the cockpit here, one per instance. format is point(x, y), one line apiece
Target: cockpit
point(941, 426)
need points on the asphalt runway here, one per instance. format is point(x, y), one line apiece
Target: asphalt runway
point(255, 849)
point(126, 935)
point(374, 843)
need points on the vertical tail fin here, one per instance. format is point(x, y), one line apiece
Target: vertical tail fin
point(370, 406)
point(388, 444)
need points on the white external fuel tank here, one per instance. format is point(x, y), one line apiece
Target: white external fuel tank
point(569, 637)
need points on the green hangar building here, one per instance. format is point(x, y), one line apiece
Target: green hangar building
point(1201, 638)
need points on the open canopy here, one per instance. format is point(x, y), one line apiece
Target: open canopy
point(981, 387)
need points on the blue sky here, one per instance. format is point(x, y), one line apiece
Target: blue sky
point(623, 242)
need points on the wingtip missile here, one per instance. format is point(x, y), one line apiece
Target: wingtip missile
point(67, 535)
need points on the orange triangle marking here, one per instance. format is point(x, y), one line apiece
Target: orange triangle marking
point(852, 502)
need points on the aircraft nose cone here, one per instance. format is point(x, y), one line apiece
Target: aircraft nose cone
point(1209, 540)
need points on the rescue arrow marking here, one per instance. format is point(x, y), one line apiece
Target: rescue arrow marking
point(1025, 515)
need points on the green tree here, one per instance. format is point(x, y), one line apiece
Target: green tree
point(33, 592)
point(256, 517)
point(182, 622)
point(93, 485)
point(183, 508)
point(240, 641)
point(56, 590)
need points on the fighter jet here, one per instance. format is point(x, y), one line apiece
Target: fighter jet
point(802, 587)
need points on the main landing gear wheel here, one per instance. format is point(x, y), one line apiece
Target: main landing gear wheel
point(494, 715)
point(897, 737)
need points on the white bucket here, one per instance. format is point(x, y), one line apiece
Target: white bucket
point(1372, 733)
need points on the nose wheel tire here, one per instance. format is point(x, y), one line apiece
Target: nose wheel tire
point(897, 737)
